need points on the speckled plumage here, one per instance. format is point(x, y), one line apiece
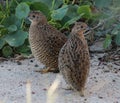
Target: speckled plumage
point(45, 41)
point(74, 62)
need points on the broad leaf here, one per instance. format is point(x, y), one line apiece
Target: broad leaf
point(12, 28)
point(23, 49)
point(12, 20)
point(59, 13)
point(16, 38)
point(42, 7)
point(107, 41)
point(49, 3)
point(2, 43)
point(85, 10)
point(71, 13)
point(7, 51)
point(22, 10)
point(73, 20)
point(102, 3)
point(1, 14)
point(117, 38)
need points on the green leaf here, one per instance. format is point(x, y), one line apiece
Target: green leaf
point(118, 26)
point(102, 3)
point(12, 28)
point(71, 13)
point(116, 3)
point(56, 4)
point(2, 43)
point(3, 31)
point(73, 20)
point(117, 39)
point(114, 31)
point(7, 51)
point(59, 13)
point(27, 0)
point(23, 49)
point(1, 14)
point(55, 24)
point(107, 41)
point(86, 10)
point(42, 7)
point(22, 10)
point(16, 38)
point(49, 3)
point(12, 20)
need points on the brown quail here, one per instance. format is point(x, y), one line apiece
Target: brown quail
point(45, 41)
point(74, 62)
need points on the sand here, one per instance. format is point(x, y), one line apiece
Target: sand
point(19, 83)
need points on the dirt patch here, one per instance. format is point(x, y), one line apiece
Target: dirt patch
point(103, 84)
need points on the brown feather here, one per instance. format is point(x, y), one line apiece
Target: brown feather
point(74, 62)
point(45, 40)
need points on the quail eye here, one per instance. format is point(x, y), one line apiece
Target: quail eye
point(33, 16)
point(81, 26)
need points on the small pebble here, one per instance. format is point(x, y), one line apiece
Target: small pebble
point(28, 68)
point(106, 71)
point(116, 72)
point(31, 61)
point(85, 99)
point(33, 92)
point(94, 77)
point(20, 85)
point(19, 63)
point(100, 97)
point(116, 102)
point(113, 80)
point(9, 69)
point(36, 65)
point(96, 81)
point(44, 89)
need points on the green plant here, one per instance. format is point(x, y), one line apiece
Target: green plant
point(110, 15)
point(107, 41)
point(12, 30)
point(61, 14)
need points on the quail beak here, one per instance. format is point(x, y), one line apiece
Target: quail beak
point(87, 31)
point(28, 18)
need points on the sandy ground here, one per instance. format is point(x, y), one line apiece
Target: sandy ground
point(103, 84)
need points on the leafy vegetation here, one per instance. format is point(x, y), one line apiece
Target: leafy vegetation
point(61, 14)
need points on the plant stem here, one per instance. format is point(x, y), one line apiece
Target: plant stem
point(7, 8)
point(53, 3)
point(22, 24)
point(2, 20)
point(16, 2)
point(7, 4)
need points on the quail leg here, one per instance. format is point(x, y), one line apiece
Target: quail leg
point(82, 92)
point(46, 70)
